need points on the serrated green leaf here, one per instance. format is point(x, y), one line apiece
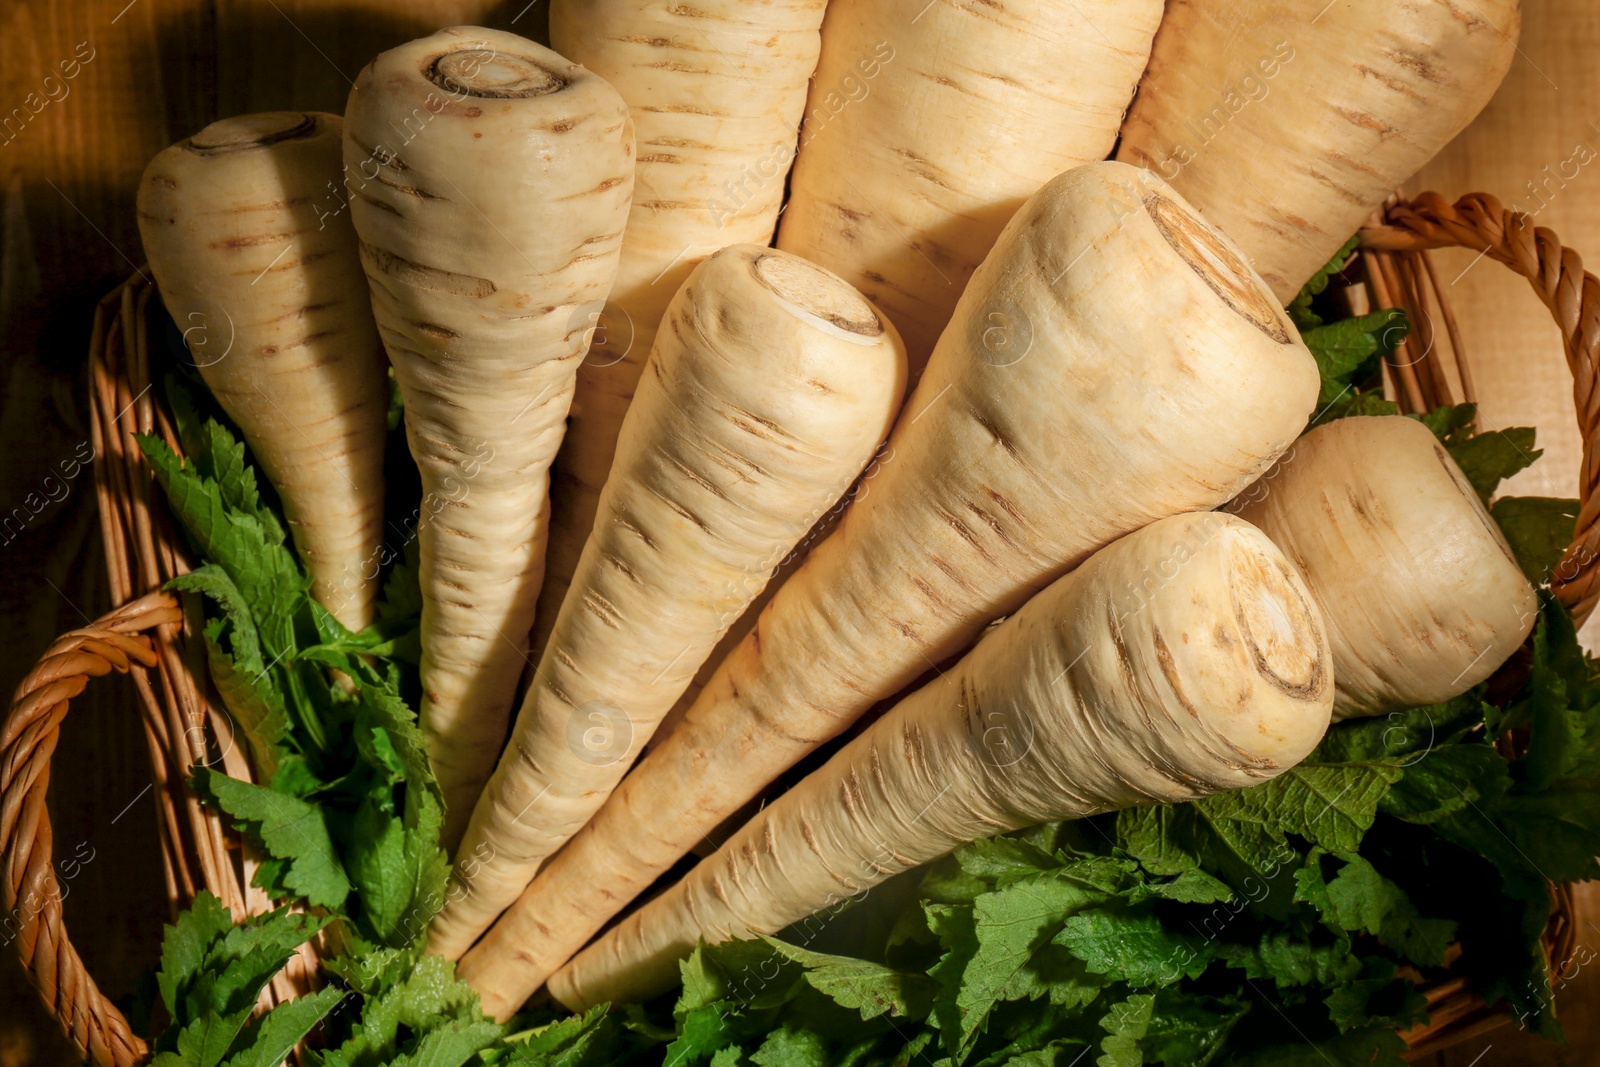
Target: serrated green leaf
point(1364, 900)
point(1489, 458)
point(186, 944)
point(868, 988)
point(786, 1047)
point(290, 829)
point(1125, 1026)
point(1538, 529)
point(274, 1035)
point(262, 567)
point(1134, 947)
point(1330, 805)
point(1006, 928)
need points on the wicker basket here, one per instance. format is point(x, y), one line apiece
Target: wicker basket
point(152, 637)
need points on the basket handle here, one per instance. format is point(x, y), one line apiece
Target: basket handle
point(1480, 223)
point(31, 891)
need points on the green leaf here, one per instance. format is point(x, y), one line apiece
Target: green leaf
point(593, 1039)
point(402, 590)
point(254, 555)
point(1362, 899)
point(277, 1033)
point(1133, 947)
point(1281, 957)
point(1344, 347)
point(1377, 998)
point(1125, 1026)
point(290, 829)
point(186, 944)
point(1330, 805)
point(1354, 402)
point(1188, 1029)
point(1450, 423)
point(868, 988)
point(1394, 737)
point(987, 954)
point(1487, 459)
point(1539, 529)
point(450, 1044)
point(427, 998)
point(1300, 307)
point(1446, 780)
point(786, 1047)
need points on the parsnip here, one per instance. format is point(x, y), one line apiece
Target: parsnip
point(716, 91)
point(490, 182)
point(1118, 403)
point(1097, 695)
point(770, 386)
point(257, 263)
point(1288, 121)
point(1422, 596)
point(930, 123)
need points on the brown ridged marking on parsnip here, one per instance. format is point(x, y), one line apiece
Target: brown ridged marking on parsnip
point(916, 150)
point(1227, 274)
point(1375, 503)
point(260, 271)
point(1287, 122)
point(1125, 336)
point(1045, 719)
point(685, 539)
point(491, 181)
point(716, 89)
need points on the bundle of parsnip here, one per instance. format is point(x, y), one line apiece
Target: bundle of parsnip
point(716, 91)
point(1005, 474)
point(770, 386)
point(1024, 562)
point(1099, 694)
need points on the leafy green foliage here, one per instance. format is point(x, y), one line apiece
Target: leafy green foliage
point(347, 812)
point(211, 975)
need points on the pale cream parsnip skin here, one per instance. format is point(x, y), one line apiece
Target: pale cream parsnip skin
point(490, 181)
point(771, 384)
point(716, 89)
point(1422, 596)
point(930, 123)
point(1100, 694)
point(257, 264)
point(1289, 121)
point(1115, 404)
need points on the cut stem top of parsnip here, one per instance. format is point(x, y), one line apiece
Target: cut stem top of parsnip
point(490, 180)
point(1289, 121)
point(256, 261)
point(1422, 596)
point(771, 384)
point(1103, 692)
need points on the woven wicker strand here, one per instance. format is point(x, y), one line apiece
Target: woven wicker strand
point(1480, 223)
point(32, 891)
point(184, 726)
